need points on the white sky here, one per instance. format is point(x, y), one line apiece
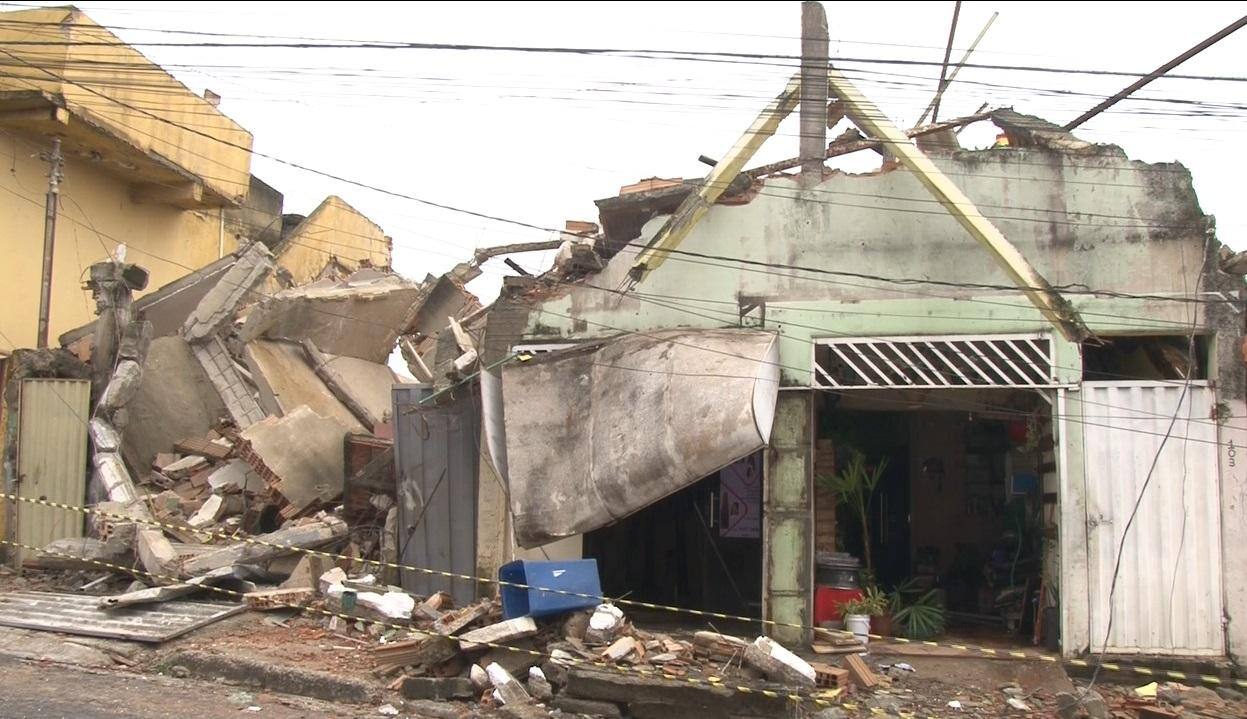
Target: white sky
point(537, 137)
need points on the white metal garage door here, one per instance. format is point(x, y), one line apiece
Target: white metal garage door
point(1168, 596)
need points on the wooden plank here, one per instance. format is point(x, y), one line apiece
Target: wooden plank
point(872, 121)
point(696, 205)
point(862, 676)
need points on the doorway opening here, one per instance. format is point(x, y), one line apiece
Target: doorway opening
point(964, 512)
point(699, 548)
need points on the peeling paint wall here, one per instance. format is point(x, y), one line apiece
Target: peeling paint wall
point(1097, 220)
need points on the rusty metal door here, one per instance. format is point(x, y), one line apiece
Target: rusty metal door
point(436, 455)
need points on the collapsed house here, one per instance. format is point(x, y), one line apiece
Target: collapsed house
point(671, 401)
point(216, 410)
point(677, 413)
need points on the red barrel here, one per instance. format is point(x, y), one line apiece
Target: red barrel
point(836, 581)
point(827, 601)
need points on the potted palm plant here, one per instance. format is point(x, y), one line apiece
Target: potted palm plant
point(918, 614)
point(853, 486)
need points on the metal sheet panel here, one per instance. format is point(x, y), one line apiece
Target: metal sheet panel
point(602, 430)
point(51, 458)
point(78, 614)
point(436, 450)
point(1168, 598)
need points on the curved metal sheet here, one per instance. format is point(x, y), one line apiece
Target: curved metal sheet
point(597, 432)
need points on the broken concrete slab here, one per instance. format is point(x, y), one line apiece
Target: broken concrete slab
point(157, 555)
point(517, 656)
point(1031, 131)
point(215, 508)
point(221, 302)
point(267, 546)
point(235, 473)
point(449, 688)
point(423, 652)
point(363, 387)
point(273, 677)
point(79, 553)
point(219, 366)
point(509, 690)
point(103, 436)
point(361, 316)
point(286, 381)
point(111, 475)
point(305, 572)
point(619, 649)
point(504, 631)
point(300, 457)
point(152, 595)
point(329, 579)
point(175, 400)
point(681, 698)
point(778, 664)
point(122, 387)
point(184, 467)
point(573, 705)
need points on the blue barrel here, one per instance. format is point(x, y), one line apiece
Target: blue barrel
point(578, 576)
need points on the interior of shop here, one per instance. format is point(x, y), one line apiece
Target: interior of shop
point(958, 517)
point(700, 548)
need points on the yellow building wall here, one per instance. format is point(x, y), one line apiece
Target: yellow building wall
point(119, 90)
point(333, 230)
point(96, 215)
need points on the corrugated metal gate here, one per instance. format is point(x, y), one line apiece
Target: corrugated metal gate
point(1168, 598)
point(436, 453)
point(51, 459)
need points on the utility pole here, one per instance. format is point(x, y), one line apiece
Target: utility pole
point(948, 51)
point(814, 49)
point(55, 161)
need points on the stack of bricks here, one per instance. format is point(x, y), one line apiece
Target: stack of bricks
point(824, 499)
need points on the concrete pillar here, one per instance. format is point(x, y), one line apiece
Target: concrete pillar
point(788, 519)
point(814, 48)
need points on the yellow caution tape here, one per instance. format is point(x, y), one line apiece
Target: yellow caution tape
point(711, 681)
point(1033, 656)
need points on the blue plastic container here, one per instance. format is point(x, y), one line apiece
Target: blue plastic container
point(579, 576)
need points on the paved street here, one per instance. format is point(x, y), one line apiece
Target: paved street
point(52, 691)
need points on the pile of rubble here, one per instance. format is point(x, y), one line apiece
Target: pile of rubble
point(590, 661)
point(242, 444)
point(233, 427)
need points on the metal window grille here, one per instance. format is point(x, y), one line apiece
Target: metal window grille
point(934, 362)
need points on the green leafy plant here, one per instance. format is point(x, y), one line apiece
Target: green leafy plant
point(920, 615)
point(853, 486)
point(872, 603)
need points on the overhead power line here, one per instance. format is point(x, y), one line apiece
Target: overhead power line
point(642, 53)
point(443, 206)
